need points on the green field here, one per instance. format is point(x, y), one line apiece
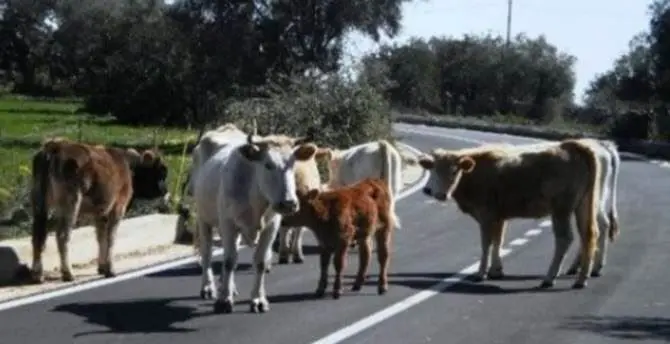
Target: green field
point(25, 122)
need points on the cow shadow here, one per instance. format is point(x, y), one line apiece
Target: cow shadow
point(133, 316)
point(456, 283)
point(196, 270)
point(622, 327)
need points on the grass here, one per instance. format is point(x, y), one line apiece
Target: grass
point(26, 122)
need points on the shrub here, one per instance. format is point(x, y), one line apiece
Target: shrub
point(631, 125)
point(344, 112)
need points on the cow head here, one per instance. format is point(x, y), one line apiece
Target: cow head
point(149, 175)
point(274, 161)
point(445, 170)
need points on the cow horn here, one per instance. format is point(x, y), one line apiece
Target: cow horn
point(255, 126)
point(307, 138)
point(250, 138)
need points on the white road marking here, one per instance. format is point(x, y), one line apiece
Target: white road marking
point(401, 306)
point(545, 223)
point(533, 232)
point(82, 286)
point(518, 242)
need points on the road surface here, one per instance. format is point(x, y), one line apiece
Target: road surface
point(428, 299)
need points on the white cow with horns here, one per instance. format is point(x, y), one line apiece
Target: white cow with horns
point(244, 189)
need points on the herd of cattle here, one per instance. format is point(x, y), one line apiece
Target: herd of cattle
point(253, 188)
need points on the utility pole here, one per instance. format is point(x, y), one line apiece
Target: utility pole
point(509, 22)
point(504, 103)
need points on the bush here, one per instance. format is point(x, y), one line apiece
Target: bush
point(345, 112)
point(632, 125)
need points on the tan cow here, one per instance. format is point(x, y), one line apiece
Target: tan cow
point(495, 183)
point(75, 179)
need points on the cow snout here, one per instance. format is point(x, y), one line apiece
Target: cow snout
point(287, 207)
point(427, 191)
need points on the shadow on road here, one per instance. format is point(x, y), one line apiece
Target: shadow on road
point(635, 328)
point(133, 316)
point(464, 284)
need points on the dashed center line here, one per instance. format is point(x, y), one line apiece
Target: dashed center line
point(518, 242)
point(533, 232)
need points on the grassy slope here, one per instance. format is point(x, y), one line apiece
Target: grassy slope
point(24, 123)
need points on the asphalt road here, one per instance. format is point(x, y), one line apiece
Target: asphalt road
point(628, 303)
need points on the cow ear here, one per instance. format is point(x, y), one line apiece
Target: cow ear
point(251, 152)
point(148, 157)
point(305, 152)
point(323, 153)
point(466, 164)
point(427, 163)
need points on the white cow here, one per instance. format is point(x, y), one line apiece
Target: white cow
point(608, 217)
point(307, 178)
point(244, 189)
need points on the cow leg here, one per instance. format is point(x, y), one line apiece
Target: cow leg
point(39, 240)
point(589, 244)
point(66, 219)
point(225, 299)
point(383, 257)
point(364, 253)
point(484, 260)
point(562, 239)
point(262, 259)
point(324, 263)
point(498, 229)
point(284, 246)
point(601, 254)
point(340, 263)
point(296, 245)
point(106, 231)
point(207, 283)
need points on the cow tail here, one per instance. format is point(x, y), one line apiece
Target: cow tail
point(389, 175)
point(592, 200)
point(612, 214)
point(40, 186)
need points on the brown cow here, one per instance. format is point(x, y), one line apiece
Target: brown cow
point(337, 217)
point(74, 179)
point(495, 183)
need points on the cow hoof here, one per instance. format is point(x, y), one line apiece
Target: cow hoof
point(36, 279)
point(283, 260)
point(579, 285)
point(298, 260)
point(259, 306)
point(225, 306)
point(356, 287)
point(67, 276)
point(546, 284)
point(596, 273)
point(337, 294)
point(496, 275)
point(477, 278)
point(381, 290)
point(206, 294)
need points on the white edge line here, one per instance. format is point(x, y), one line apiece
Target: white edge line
point(401, 306)
point(82, 286)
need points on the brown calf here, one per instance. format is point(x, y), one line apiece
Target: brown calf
point(341, 215)
point(73, 179)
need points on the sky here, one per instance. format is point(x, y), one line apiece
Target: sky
point(596, 32)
